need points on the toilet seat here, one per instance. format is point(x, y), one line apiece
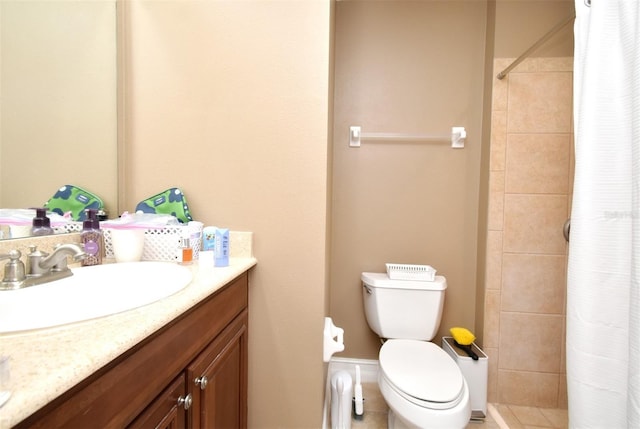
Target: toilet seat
point(422, 373)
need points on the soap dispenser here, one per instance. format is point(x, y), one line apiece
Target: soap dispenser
point(91, 238)
point(41, 223)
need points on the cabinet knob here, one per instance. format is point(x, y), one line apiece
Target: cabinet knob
point(202, 381)
point(185, 401)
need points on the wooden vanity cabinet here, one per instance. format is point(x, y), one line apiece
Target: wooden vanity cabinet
point(167, 411)
point(218, 380)
point(159, 382)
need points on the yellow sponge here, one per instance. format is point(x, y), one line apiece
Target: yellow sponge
point(462, 336)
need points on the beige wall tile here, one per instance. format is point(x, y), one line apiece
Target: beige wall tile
point(533, 283)
point(537, 163)
point(531, 164)
point(492, 376)
point(540, 102)
point(572, 167)
point(529, 65)
point(493, 273)
point(530, 342)
point(563, 356)
point(500, 94)
point(556, 64)
point(496, 181)
point(535, 389)
point(498, 140)
point(533, 223)
point(500, 64)
point(496, 201)
point(563, 400)
point(491, 318)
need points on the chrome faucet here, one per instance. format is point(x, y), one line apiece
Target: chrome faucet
point(41, 263)
point(42, 267)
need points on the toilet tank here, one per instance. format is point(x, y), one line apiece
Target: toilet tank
point(403, 308)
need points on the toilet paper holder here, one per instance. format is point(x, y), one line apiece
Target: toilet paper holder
point(333, 339)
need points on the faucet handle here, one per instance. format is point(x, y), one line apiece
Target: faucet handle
point(14, 272)
point(33, 250)
point(13, 255)
point(34, 257)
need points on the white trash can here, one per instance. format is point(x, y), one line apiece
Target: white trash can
point(476, 374)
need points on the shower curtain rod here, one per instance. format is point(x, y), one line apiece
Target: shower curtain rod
point(535, 46)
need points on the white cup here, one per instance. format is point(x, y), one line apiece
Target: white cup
point(128, 244)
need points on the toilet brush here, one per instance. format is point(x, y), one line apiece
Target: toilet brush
point(358, 401)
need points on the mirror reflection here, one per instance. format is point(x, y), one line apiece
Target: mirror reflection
point(58, 100)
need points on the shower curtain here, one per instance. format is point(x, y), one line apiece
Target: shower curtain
point(603, 310)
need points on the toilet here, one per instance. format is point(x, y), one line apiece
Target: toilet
point(422, 385)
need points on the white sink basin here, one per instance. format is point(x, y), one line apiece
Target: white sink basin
point(90, 293)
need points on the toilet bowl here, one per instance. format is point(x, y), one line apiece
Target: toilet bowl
point(422, 385)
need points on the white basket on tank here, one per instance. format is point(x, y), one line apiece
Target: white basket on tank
point(425, 273)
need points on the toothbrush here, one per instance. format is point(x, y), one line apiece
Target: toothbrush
point(358, 394)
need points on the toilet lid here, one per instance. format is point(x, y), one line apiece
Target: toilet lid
point(421, 370)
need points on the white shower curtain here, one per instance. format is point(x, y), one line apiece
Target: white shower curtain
point(603, 310)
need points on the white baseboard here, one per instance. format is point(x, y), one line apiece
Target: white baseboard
point(368, 374)
point(368, 368)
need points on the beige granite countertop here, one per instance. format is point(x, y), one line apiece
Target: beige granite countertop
point(44, 363)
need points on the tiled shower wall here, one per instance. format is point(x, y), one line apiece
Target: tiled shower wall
point(531, 170)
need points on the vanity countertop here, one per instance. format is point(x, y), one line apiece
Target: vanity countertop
point(45, 363)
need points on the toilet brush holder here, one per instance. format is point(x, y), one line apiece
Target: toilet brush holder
point(355, 410)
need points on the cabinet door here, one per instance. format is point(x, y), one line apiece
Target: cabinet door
point(218, 380)
point(167, 411)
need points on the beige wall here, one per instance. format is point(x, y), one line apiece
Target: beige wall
point(520, 23)
point(230, 100)
point(395, 72)
point(404, 67)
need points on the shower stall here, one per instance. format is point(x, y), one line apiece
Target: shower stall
point(530, 190)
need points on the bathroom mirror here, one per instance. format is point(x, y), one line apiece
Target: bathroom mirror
point(58, 100)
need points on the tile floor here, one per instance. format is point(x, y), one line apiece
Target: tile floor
point(520, 417)
point(511, 416)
